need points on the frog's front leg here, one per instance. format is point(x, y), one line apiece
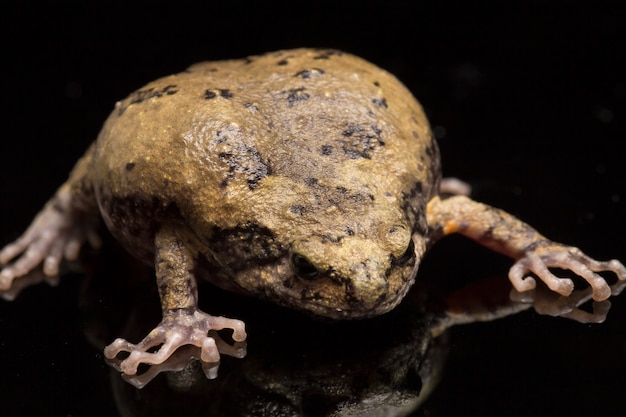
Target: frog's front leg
point(70, 218)
point(534, 253)
point(183, 323)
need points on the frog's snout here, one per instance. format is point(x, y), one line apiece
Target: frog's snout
point(356, 276)
point(367, 285)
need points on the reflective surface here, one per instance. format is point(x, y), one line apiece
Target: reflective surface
point(295, 365)
point(530, 109)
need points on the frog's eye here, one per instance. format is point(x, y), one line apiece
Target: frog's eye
point(303, 267)
point(408, 254)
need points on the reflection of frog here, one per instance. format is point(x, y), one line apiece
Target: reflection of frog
point(383, 366)
point(307, 177)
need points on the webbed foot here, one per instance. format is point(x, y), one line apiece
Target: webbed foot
point(177, 328)
point(56, 233)
point(540, 257)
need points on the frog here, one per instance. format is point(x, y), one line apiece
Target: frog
point(309, 177)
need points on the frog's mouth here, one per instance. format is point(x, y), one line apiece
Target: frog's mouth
point(349, 307)
point(339, 299)
point(369, 291)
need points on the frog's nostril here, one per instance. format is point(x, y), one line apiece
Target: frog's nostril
point(302, 267)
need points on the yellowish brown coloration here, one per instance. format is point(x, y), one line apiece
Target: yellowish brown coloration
point(306, 177)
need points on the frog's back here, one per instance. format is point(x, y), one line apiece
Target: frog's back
point(294, 131)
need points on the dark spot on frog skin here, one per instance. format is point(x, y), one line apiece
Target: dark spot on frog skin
point(376, 83)
point(431, 151)
point(435, 166)
point(310, 73)
point(418, 188)
point(361, 140)
point(380, 102)
point(220, 137)
point(358, 130)
point(130, 166)
point(327, 149)
point(251, 106)
point(297, 209)
point(327, 53)
point(311, 182)
point(413, 205)
point(282, 62)
point(245, 160)
point(335, 196)
point(222, 92)
point(295, 95)
point(244, 246)
point(357, 197)
point(331, 239)
point(351, 130)
point(415, 134)
point(140, 96)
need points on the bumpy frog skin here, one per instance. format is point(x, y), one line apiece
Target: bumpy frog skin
point(310, 178)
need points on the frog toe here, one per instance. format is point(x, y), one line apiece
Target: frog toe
point(140, 353)
point(531, 263)
point(541, 258)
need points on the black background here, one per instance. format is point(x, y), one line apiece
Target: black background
point(528, 100)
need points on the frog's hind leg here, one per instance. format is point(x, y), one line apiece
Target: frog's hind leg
point(183, 323)
point(535, 255)
point(68, 220)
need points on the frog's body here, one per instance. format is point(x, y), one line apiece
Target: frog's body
point(306, 177)
point(266, 158)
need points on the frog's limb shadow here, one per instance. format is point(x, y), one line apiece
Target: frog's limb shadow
point(534, 254)
point(547, 302)
point(183, 323)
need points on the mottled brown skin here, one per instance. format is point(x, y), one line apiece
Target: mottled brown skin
point(259, 159)
point(306, 177)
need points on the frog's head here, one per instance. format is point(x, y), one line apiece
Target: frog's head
point(353, 276)
point(356, 276)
